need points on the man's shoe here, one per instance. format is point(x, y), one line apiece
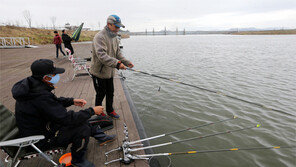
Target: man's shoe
point(113, 114)
point(106, 139)
point(84, 163)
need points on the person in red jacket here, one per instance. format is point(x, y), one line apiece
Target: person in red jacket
point(58, 42)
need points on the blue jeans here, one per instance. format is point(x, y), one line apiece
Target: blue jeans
point(59, 46)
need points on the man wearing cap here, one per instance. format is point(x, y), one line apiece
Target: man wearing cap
point(106, 57)
point(39, 112)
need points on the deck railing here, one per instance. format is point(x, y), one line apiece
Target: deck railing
point(14, 42)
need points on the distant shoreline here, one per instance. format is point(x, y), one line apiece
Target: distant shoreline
point(267, 32)
point(45, 36)
point(253, 32)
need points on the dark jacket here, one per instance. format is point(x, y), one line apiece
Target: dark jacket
point(57, 40)
point(66, 39)
point(40, 112)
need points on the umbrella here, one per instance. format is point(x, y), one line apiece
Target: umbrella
point(76, 34)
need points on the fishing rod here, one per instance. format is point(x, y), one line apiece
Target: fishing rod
point(128, 143)
point(212, 151)
point(181, 130)
point(212, 91)
point(193, 138)
point(127, 148)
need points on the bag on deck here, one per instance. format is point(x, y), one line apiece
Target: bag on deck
point(104, 122)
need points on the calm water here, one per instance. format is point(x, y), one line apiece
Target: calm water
point(261, 69)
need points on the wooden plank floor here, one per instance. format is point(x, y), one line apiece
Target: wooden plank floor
point(15, 65)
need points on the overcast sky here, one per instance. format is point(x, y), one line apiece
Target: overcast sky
point(138, 15)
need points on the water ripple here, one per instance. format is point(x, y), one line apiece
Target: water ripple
point(259, 69)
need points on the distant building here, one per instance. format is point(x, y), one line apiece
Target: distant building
point(69, 27)
point(85, 29)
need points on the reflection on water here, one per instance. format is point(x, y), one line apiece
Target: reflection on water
point(260, 69)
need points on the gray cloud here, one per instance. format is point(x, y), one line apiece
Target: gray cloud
point(140, 14)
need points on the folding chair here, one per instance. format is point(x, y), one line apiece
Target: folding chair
point(17, 148)
point(78, 65)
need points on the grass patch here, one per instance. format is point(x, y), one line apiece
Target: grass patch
point(43, 36)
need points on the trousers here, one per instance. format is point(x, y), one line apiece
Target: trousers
point(78, 136)
point(104, 87)
point(59, 47)
point(69, 46)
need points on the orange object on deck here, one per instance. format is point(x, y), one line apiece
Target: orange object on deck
point(66, 159)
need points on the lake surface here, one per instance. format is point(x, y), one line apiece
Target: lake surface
point(259, 69)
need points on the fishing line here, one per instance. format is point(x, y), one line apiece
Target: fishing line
point(212, 91)
point(182, 130)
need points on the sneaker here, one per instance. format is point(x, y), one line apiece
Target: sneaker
point(106, 139)
point(113, 114)
point(84, 163)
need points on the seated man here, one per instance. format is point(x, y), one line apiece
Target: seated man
point(39, 112)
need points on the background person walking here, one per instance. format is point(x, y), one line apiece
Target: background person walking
point(57, 40)
point(67, 41)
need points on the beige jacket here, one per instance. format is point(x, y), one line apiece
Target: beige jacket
point(106, 54)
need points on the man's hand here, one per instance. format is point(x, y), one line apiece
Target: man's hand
point(130, 65)
point(79, 102)
point(98, 110)
point(122, 66)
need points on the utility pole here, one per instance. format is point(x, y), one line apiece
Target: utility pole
point(146, 31)
point(184, 32)
point(165, 33)
point(153, 31)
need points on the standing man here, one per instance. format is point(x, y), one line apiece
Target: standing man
point(67, 41)
point(106, 57)
point(39, 112)
point(57, 40)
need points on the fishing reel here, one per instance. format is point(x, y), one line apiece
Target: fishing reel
point(122, 76)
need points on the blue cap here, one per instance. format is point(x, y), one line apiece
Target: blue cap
point(114, 19)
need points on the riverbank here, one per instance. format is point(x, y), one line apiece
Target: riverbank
point(43, 36)
point(267, 32)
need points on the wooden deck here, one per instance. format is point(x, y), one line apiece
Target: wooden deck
point(15, 65)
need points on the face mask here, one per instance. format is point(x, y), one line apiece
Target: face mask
point(54, 79)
